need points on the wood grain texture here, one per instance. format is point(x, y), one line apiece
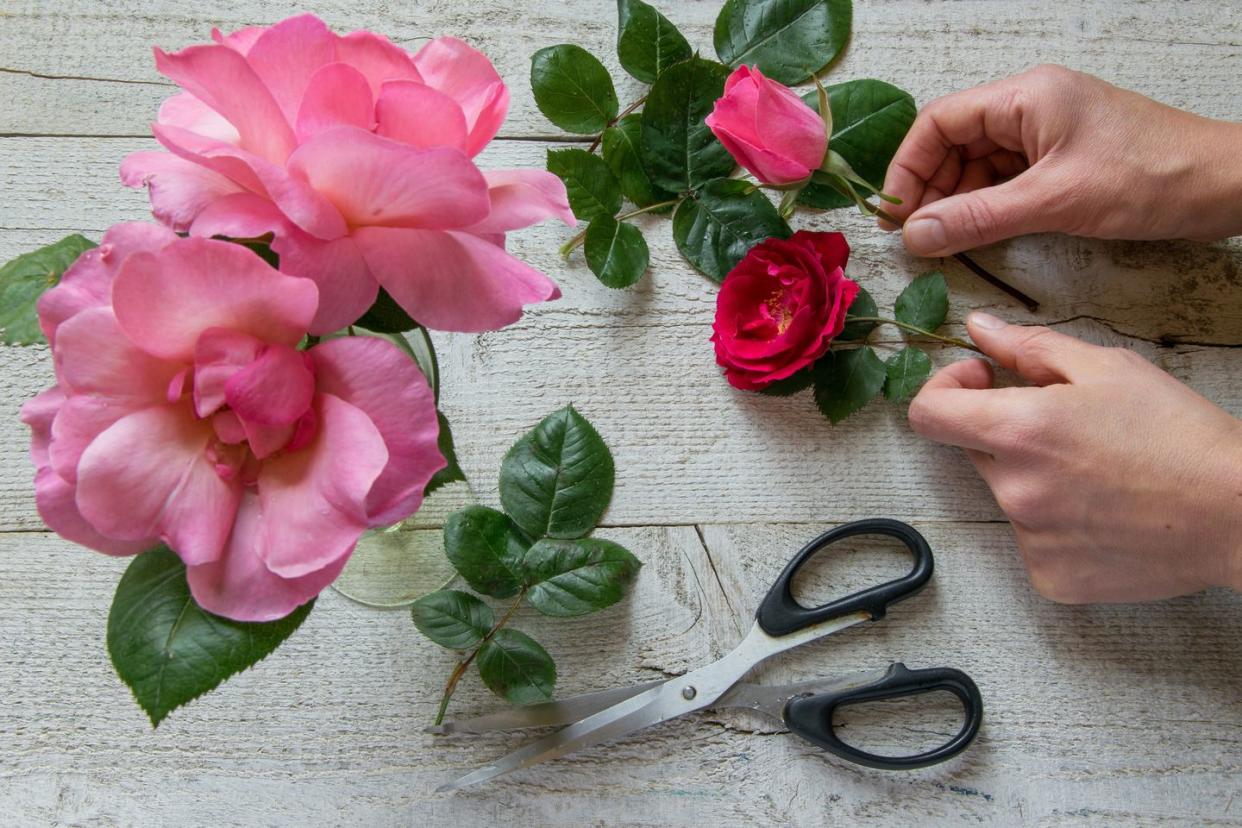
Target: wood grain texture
point(1121, 715)
point(1126, 714)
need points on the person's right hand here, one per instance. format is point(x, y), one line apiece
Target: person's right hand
point(1056, 150)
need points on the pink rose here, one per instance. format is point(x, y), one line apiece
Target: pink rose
point(768, 129)
point(779, 309)
point(184, 412)
point(357, 156)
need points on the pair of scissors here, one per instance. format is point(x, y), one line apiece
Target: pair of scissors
point(806, 709)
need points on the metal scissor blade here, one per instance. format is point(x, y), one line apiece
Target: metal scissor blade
point(634, 713)
point(772, 698)
point(548, 714)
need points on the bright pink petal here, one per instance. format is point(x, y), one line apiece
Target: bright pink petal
point(376, 377)
point(296, 199)
point(374, 181)
point(94, 356)
point(338, 95)
point(415, 114)
point(179, 189)
point(791, 129)
point(452, 281)
point(149, 475)
point(240, 586)
point(220, 353)
point(222, 79)
point(377, 58)
point(521, 198)
point(54, 498)
point(287, 55)
point(188, 112)
point(314, 500)
point(166, 302)
point(241, 40)
point(80, 420)
point(766, 165)
point(240, 216)
point(466, 75)
point(274, 390)
point(346, 286)
point(88, 281)
point(39, 413)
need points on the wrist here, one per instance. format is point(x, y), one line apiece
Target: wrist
point(1231, 514)
point(1214, 184)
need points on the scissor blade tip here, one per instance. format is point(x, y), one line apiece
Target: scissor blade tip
point(447, 787)
point(439, 730)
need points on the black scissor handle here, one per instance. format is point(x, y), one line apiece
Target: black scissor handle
point(811, 716)
point(780, 614)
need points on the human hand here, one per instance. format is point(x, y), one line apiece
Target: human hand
point(1056, 150)
point(1122, 484)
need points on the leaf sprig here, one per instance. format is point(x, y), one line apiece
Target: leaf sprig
point(658, 154)
point(555, 483)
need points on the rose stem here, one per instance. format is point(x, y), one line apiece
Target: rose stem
point(568, 247)
point(974, 267)
point(613, 122)
point(460, 669)
point(880, 320)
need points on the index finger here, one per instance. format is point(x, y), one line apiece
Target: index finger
point(959, 407)
point(979, 120)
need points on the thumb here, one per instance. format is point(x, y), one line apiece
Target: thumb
point(1037, 354)
point(989, 214)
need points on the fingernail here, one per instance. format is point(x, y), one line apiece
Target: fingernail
point(986, 321)
point(926, 235)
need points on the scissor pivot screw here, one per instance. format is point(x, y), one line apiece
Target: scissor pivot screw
point(688, 692)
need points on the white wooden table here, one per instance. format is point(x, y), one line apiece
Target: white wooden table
point(1126, 714)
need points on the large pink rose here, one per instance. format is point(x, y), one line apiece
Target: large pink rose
point(184, 412)
point(358, 157)
point(780, 308)
point(767, 128)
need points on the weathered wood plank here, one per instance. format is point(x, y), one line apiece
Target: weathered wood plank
point(1123, 714)
point(83, 68)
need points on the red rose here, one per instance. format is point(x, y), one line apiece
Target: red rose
point(780, 308)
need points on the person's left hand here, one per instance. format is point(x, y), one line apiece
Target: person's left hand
point(1121, 483)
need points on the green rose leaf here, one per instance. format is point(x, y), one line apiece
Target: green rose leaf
point(647, 43)
point(592, 189)
point(679, 150)
point(576, 577)
point(167, 648)
point(847, 380)
point(907, 370)
point(716, 225)
point(453, 619)
point(863, 305)
point(790, 385)
point(615, 251)
point(557, 480)
point(869, 120)
point(572, 88)
point(23, 281)
point(621, 153)
point(486, 548)
point(516, 668)
point(452, 473)
point(788, 40)
point(386, 316)
point(924, 303)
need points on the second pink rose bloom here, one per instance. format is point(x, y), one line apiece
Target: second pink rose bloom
point(359, 158)
point(768, 129)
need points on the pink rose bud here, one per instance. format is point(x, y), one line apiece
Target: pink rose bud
point(359, 158)
point(185, 413)
point(780, 308)
point(768, 129)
